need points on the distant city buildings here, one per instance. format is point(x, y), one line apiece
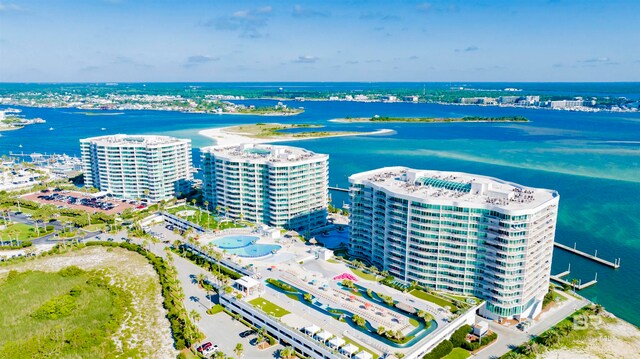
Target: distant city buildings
point(566, 104)
point(457, 232)
point(280, 186)
point(577, 104)
point(154, 168)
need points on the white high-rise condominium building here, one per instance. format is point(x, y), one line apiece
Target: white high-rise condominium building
point(279, 186)
point(457, 232)
point(127, 166)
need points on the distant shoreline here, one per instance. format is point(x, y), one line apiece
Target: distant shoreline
point(226, 136)
point(431, 119)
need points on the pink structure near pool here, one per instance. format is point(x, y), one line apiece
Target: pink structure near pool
point(348, 276)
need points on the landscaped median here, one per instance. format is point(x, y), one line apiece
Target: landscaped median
point(20, 235)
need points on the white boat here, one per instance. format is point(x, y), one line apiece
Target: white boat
point(103, 129)
point(50, 128)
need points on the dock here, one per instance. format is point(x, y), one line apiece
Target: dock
point(338, 189)
point(594, 257)
point(579, 286)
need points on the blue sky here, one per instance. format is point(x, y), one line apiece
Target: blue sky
point(191, 40)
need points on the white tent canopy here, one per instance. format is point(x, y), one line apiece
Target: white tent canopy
point(313, 329)
point(323, 335)
point(336, 342)
point(349, 349)
point(363, 355)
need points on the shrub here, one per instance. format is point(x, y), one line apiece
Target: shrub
point(215, 309)
point(57, 307)
point(441, 350)
point(281, 285)
point(460, 335)
point(71, 271)
point(487, 339)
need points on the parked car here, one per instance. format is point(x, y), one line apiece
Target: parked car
point(205, 346)
point(246, 333)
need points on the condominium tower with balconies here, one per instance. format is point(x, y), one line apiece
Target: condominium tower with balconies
point(280, 186)
point(457, 232)
point(154, 168)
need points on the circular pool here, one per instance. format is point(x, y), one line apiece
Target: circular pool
point(245, 246)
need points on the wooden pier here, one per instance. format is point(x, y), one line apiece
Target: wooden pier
point(615, 264)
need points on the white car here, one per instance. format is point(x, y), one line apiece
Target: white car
point(212, 349)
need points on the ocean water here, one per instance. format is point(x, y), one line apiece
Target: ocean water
point(591, 159)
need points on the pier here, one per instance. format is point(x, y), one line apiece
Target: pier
point(577, 286)
point(338, 189)
point(615, 264)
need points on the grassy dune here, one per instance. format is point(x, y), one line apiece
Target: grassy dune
point(64, 314)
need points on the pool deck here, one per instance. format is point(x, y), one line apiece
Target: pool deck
point(291, 249)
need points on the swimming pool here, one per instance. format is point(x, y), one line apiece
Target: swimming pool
point(245, 246)
point(233, 242)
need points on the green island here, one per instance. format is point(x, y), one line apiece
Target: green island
point(269, 111)
point(278, 131)
point(433, 119)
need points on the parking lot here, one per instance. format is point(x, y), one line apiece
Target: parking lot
point(83, 201)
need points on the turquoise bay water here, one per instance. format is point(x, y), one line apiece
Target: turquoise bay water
point(592, 159)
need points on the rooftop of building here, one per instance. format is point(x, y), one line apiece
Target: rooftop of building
point(130, 140)
point(458, 187)
point(264, 153)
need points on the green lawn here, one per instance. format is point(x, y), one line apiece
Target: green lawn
point(23, 231)
point(363, 275)
point(95, 227)
point(43, 317)
point(204, 218)
point(214, 309)
point(433, 299)
point(269, 307)
point(457, 353)
point(414, 322)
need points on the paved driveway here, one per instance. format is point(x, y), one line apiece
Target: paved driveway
point(511, 337)
point(220, 328)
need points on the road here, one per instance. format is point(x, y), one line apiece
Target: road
point(220, 329)
point(511, 337)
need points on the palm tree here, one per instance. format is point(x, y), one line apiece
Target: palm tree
point(201, 277)
point(286, 352)
point(381, 330)
point(528, 348)
point(238, 350)
point(574, 283)
point(261, 334)
point(195, 316)
point(219, 355)
point(206, 204)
